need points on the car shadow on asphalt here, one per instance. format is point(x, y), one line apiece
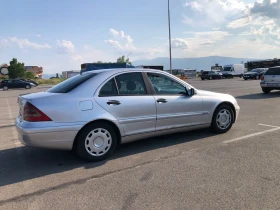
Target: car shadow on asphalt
point(27, 163)
point(256, 96)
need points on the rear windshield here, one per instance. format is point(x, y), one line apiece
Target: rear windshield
point(273, 71)
point(70, 84)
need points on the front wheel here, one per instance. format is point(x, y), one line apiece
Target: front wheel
point(266, 90)
point(222, 119)
point(27, 87)
point(96, 142)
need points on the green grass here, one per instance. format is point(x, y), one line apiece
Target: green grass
point(49, 81)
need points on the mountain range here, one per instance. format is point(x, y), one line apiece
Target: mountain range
point(200, 63)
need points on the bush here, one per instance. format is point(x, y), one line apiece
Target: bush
point(49, 81)
point(4, 77)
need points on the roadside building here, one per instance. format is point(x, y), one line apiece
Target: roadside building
point(37, 71)
point(69, 74)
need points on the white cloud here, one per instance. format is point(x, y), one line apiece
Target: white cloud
point(194, 5)
point(38, 35)
point(179, 43)
point(239, 23)
point(25, 43)
point(123, 44)
point(212, 12)
point(3, 43)
point(121, 35)
point(65, 47)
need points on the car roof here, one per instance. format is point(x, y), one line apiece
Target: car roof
point(119, 70)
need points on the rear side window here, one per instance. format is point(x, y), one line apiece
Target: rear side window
point(273, 71)
point(70, 84)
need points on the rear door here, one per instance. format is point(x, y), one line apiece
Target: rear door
point(128, 98)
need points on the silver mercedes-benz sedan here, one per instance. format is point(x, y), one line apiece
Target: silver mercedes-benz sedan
point(94, 111)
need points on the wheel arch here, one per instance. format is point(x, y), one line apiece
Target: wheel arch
point(116, 128)
point(230, 105)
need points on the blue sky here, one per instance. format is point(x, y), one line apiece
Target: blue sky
point(60, 35)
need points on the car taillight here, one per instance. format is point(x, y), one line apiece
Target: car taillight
point(33, 114)
point(262, 78)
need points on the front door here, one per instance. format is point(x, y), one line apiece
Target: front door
point(174, 107)
point(127, 99)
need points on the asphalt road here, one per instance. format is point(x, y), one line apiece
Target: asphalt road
point(192, 170)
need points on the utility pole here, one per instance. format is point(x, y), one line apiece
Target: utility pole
point(170, 56)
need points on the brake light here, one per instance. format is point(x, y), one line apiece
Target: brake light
point(33, 114)
point(262, 78)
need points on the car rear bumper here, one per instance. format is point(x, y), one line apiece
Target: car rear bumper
point(270, 85)
point(59, 137)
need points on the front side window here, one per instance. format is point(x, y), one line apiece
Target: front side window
point(164, 85)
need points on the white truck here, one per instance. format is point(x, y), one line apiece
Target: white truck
point(233, 70)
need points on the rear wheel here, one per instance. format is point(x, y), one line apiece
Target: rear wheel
point(96, 142)
point(5, 88)
point(222, 119)
point(266, 90)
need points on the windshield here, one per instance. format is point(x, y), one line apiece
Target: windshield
point(227, 68)
point(255, 70)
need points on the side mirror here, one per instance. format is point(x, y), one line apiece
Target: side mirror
point(190, 92)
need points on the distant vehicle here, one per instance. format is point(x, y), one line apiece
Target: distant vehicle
point(15, 83)
point(233, 70)
point(211, 75)
point(30, 81)
point(97, 66)
point(271, 80)
point(254, 74)
point(95, 111)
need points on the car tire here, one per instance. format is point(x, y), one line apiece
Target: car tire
point(27, 86)
point(94, 150)
point(266, 90)
point(210, 78)
point(245, 78)
point(223, 118)
point(202, 78)
point(5, 88)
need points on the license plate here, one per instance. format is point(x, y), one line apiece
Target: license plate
point(272, 84)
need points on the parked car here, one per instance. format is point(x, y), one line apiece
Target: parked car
point(271, 79)
point(211, 75)
point(94, 111)
point(254, 74)
point(30, 81)
point(15, 83)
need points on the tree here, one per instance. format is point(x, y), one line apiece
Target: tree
point(16, 69)
point(29, 75)
point(123, 60)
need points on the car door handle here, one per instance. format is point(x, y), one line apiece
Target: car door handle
point(161, 100)
point(113, 102)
